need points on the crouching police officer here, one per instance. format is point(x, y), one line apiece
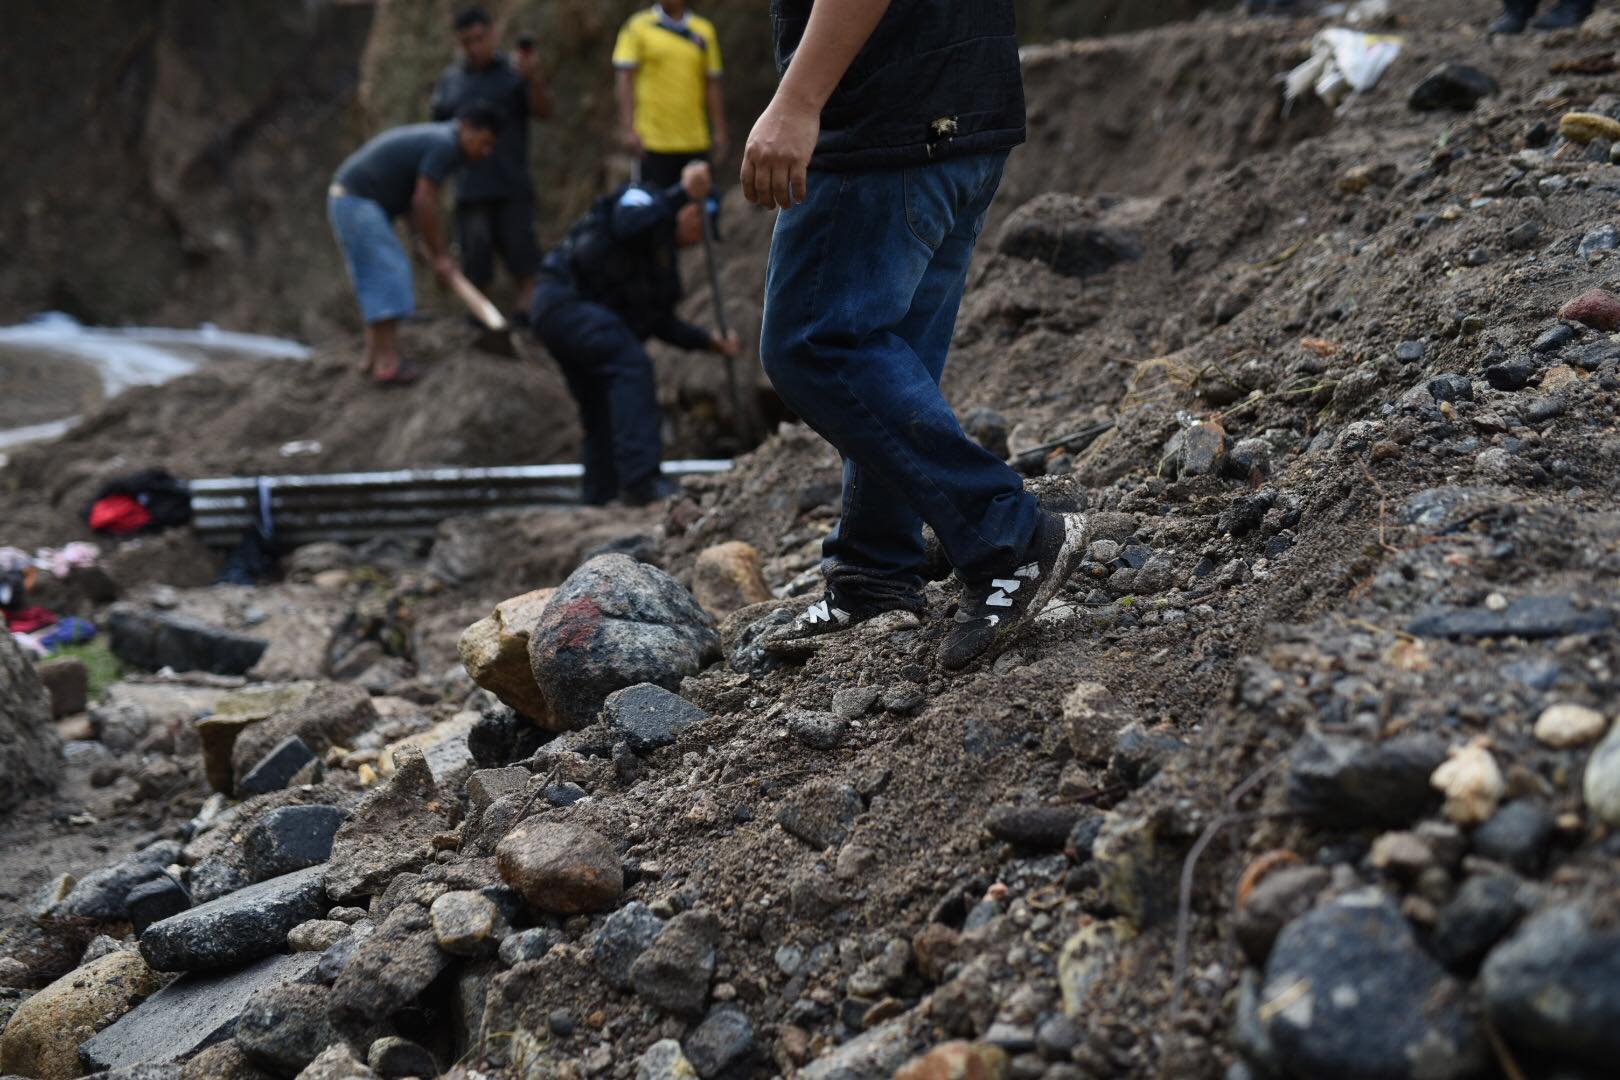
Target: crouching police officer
point(612, 284)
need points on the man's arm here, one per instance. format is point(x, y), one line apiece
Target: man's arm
point(776, 162)
point(689, 336)
point(429, 228)
point(624, 84)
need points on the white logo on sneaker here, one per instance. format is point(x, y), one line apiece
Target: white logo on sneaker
point(1031, 572)
point(824, 612)
point(1003, 586)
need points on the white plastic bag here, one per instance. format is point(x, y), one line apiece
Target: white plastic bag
point(1342, 62)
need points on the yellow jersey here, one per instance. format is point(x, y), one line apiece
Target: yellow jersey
point(673, 62)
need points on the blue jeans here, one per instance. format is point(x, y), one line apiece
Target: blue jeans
point(861, 297)
point(612, 381)
point(378, 266)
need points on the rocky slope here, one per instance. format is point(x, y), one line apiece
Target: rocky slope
point(1312, 773)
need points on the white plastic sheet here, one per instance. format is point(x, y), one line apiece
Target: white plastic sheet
point(1342, 62)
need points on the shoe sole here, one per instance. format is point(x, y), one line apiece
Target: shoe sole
point(1074, 545)
point(888, 622)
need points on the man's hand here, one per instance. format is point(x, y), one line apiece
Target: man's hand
point(631, 141)
point(444, 267)
point(776, 162)
point(722, 145)
point(728, 346)
point(527, 63)
point(697, 180)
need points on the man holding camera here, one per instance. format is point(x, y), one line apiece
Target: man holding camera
point(495, 198)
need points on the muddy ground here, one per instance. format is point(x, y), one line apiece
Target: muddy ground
point(1357, 497)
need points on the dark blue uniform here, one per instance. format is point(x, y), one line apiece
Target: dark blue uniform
point(611, 285)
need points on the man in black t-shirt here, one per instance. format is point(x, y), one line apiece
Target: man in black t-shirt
point(495, 198)
point(397, 173)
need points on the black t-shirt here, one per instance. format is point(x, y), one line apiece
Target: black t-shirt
point(385, 169)
point(504, 175)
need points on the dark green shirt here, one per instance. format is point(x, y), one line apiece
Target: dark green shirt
point(386, 168)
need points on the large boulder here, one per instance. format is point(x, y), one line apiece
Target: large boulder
point(495, 652)
point(237, 928)
point(42, 1040)
point(615, 623)
point(30, 751)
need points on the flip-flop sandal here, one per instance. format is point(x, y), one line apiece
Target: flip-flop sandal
point(403, 375)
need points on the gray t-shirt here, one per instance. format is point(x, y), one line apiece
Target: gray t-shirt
point(385, 169)
point(505, 174)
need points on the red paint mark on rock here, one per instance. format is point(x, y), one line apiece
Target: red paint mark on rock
point(1595, 308)
point(578, 622)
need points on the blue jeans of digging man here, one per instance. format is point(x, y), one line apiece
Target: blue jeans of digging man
point(612, 380)
point(861, 298)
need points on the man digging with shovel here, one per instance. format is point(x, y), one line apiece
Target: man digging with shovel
point(883, 148)
point(397, 173)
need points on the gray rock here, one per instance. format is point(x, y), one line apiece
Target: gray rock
point(1248, 458)
point(337, 1062)
point(817, 730)
point(149, 639)
point(1553, 338)
point(391, 832)
point(1485, 908)
point(528, 945)
point(190, 1014)
point(1531, 617)
point(820, 813)
point(332, 714)
point(1554, 986)
point(394, 1057)
point(1601, 784)
point(30, 750)
point(1281, 897)
point(337, 955)
point(1518, 834)
point(103, 896)
point(1602, 238)
point(663, 1060)
point(616, 623)
point(276, 769)
point(154, 901)
point(466, 923)
point(290, 838)
point(1510, 375)
point(723, 1044)
point(1139, 753)
point(214, 878)
point(389, 969)
point(235, 929)
point(1037, 828)
point(624, 936)
point(1453, 86)
point(874, 1055)
point(317, 935)
point(487, 785)
point(854, 702)
point(649, 717)
point(1346, 783)
point(1057, 1037)
point(674, 973)
point(1349, 993)
point(285, 1028)
point(1451, 387)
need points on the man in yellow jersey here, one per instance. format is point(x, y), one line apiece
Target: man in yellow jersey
point(671, 109)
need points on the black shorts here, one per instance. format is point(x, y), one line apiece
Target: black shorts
point(490, 226)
